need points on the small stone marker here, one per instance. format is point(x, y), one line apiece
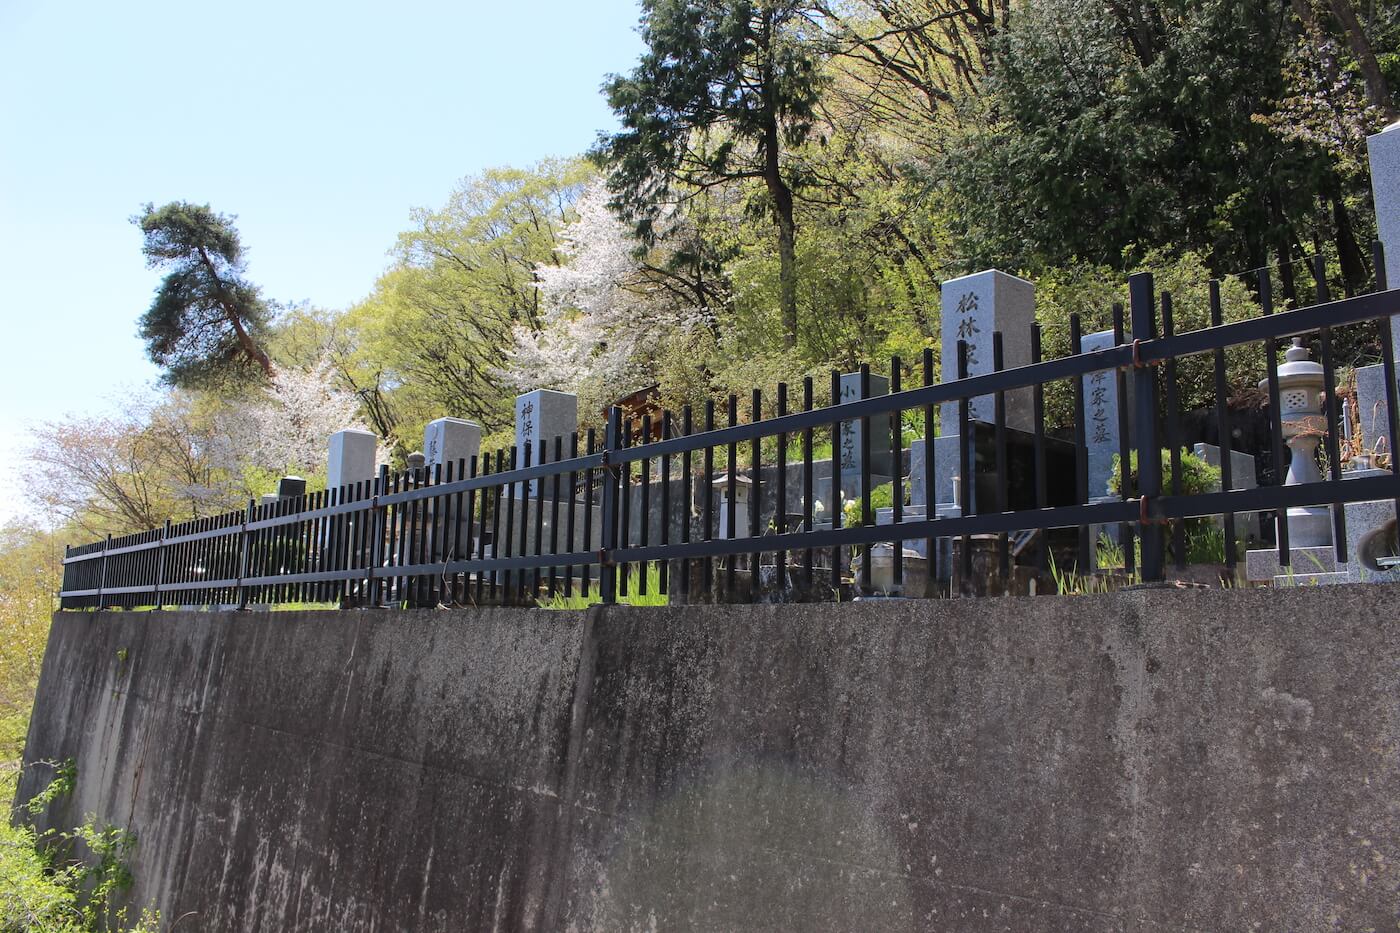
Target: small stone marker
point(1373, 409)
point(975, 307)
point(1101, 435)
point(542, 415)
point(351, 460)
point(881, 455)
point(449, 440)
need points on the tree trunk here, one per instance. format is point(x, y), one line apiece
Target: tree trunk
point(245, 340)
point(781, 194)
point(1376, 89)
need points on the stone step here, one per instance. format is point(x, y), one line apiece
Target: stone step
point(1313, 579)
point(1262, 565)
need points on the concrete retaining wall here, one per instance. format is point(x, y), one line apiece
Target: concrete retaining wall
point(1154, 760)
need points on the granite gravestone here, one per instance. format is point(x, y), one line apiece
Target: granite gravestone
point(881, 452)
point(540, 417)
point(351, 460)
point(450, 440)
point(974, 308)
point(1101, 436)
point(1372, 409)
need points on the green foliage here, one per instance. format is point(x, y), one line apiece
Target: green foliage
point(881, 497)
point(653, 597)
point(721, 94)
point(1110, 130)
point(29, 574)
point(1092, 291)
point(207, 322)
point(65, 881)
point(1197, 476)
point(429, 340)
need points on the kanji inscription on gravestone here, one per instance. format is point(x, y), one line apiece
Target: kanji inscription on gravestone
point(881, 458)
point(974, 308)
point(540, 417)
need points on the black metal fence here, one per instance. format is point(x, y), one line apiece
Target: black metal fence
point(528, 525)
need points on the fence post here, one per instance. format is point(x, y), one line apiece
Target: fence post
point(1142, 300)
point(374, 582)
point(160, 562)
point(607, 571)
point(243, 542)
point(102, 578)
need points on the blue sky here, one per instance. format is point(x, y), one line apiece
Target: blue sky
point(318, 124)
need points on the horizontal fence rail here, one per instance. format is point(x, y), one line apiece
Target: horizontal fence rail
point(571, 518)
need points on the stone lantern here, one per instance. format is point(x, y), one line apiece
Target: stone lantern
point(1300, 389)
point(742, 485)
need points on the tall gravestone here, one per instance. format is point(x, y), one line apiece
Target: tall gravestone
point(974, 308)
point(449, 440)
point(1384, 151)
point(541, 416)
point(351, 458)
point(1101, 406)
point(881, 451)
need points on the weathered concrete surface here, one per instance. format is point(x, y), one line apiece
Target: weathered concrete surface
point(1151, 760)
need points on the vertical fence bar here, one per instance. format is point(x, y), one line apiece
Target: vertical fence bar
point(1172, 432)
point(1126, 530)
point(1041, 480)
point(624, 491)
point(1266, 301)
point(708, 567)
point(554, 516)
point(999, 421)
point(809, 489)
point(160, 561)
point(1081, 449)
point(867, 514)
point(509, 589)
point(755, 492)
point(541, 486)
point(966, 478)
point(644, 525)
point(896, 432)
point(586, 574)
point(244, 551)
point(607, 573)
point(373, 582)
point(572, 522)
point(501, 490)
point(930, 489)
point(1142, 303)
point(780, 513)
point(836, 481)
point(1226, 436)
point(731, 495)
point(1329, 378)
point(486, 539)
point(664, 566)
point(527, 451)
point(687, 497)
point(102, 574)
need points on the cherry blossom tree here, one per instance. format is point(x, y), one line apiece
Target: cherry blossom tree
point(606, 312)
